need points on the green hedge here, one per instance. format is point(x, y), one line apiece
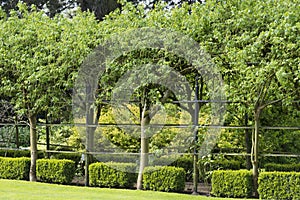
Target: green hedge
point(279, 185)
point(228, 183)
point(164, 178)
point(205, 166)
point(14, 168)
point(55, 171)
point(112, 174)
point(270, 167)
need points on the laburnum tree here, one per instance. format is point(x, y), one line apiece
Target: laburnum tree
point(256, 44)
point(39, 59)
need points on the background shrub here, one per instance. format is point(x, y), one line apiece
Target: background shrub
point(228, 183)
point(207, 165)
point(185, 162)
point(55, 171)
point(279, 185)
point(14, 168)
point(270, 167)
point(112, 174)
point(105, 158)
point(76, 157)
point(164, 178)
point(19, 153)
point(226, 165)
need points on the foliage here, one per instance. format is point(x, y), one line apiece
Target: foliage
point(112, 174)
point(8, 136)
point(164, 178)
point(208, 164)
point(269, 167)
point(228, 183)
point(128, 139)
point(19, 153)
point(59, 135)
point(76, 157)
point(14, 168)
point(55, 171)
point(123, 158)
point(26, 72)
point(279, 185)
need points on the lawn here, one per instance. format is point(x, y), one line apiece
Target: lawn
point(14, 190)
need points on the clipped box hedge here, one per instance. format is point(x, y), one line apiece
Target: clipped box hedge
point(229, 183)
point(55, 171)
point(14, 168)
point(270, 167)
point(112, 175)
point(164, 178)
point(279, 185)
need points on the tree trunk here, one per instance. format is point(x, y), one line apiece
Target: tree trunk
point(33, 147)
point(17, 132)
point(144, 148)
point(248, 143)
point(255, 152)
point(195, 119)
point(47, 137)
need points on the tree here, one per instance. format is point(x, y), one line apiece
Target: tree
point(134, 17)
point(51, 8)
point(99, 7)
point(39, 60)
point(255, 44)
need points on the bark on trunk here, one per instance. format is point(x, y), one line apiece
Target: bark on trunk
point(33, 147)
point(248, 144)
point(144, 148)
point(255, 152)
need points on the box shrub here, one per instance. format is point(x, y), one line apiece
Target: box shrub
point(55, 171)
point(112, 174)
point(270, 167)
point(14, 168)
point(279, 185)
point(229, 183)
point(164, 178)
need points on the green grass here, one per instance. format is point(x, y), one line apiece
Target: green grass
point(14, 190)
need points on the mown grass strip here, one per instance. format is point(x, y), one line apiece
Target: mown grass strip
point(20, 190)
